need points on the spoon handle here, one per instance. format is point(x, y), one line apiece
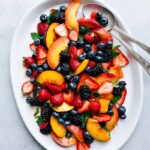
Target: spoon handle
point(144, 63)
point(140, 44)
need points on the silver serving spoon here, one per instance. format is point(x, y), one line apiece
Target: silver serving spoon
point(88, 8)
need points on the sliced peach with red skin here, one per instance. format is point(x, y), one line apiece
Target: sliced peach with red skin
point(65, 142)
point(53, 55)
point(77, 132)
point(110, 125)
point(104, 105)
point(51, 77)
point(96, 131)
point(117, 71)
point(123, 97)
point(70, 15)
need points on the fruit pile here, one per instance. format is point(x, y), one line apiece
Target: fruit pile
point(75, 73)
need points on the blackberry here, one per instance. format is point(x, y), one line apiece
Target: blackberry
point(58, 16)
point(34, 101)
point(107, 55)
point(122, 85)
point(87, 138)
point(85, 92)
point(117, 91)
point(46, 130)
point(65, 69)
point(96, 70)
point(102, 124)
point(75, 119)
point(46, 112)
point(64, 56)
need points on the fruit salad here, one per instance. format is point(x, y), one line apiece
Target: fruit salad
point(75, 77)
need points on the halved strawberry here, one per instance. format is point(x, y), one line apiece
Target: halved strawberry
point(93, 85)
point(74, 63)
point(82, 80)
point(102, 118)
point(93, 15)
point(82, 146)
point(28, 61)
point(77, 102)
point(57, 99)
point(41, 53)
point(53, 88)
point(105, 88)
point(44, 95)
point(73, 52)
point(73, 35)
point(86, 107)
point(121, 60)
point(91, 38)
point(91, 63)
point(68, 97)
point(32, 47)
point(106, 65)
point(61, 30)
point(64, 86)
point(27, 87)
point(42, 28)
point(123, 97)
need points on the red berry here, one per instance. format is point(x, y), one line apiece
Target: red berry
point(95, 107)
point(53, 88)
point(78, 102)
point(42, 28)
point(28, 61)
point(73, 52)
point(34, 74)
point(27, 87)
point(44, 95)
point(91, 38)
point(57, 99)
point(43, 125)
point(74, 63)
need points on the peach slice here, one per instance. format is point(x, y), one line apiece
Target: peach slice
point(81, 67)
point(110, 125)
point(51, 35)
point(52, 77)
point(58, 128)
point(117, 71)
point(63, 108)
point(104, 105)
point(66, 142)
point(77, 132)
point(53, 54)
point(70, 15)
point(96, 131)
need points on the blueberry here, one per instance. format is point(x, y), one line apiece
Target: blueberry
point(45, 66)
point(34, 66)
point(34, 56)
point(73, 112)
point(72, 85)
point(81, 57)
point(83, 29)
point(76, 79)
point(37, 88)
point(99, 53)
point(122, 110)
point(91, 55)
point(68, 78)
point(58, 69)
point(62, 8)
point(61, 120)
point(40, 69)
point(29, 72)
point(42, 39)
point(102, 124)
point(43, 18)
point(123, 116)
point(110, 106)
point(80, 43)
point(104, 21)
point(67, 123)
point(65, 116)
point(37, 42)
point(55, 114)
point(86, 134)
point(110, 112)
point(68, 134)
point(99, 59)
point(101, 46)
point(88, 69)
point(87, 48)
point(29, 100)
point(33, 80)
point(73, 43)
point(98, 16)
point(109, 45)
point(82, 126)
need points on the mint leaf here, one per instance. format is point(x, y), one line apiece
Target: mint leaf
point(115, 99)
point(36, 111)
point(49, 17)
point(105, 70)
point(96, 94)
point(106, 129)
point(115, 47)
point(84, 117)
point(35, 35)
point(81, 37)
point(115, 53)
point(39, 120)
point(115, 84)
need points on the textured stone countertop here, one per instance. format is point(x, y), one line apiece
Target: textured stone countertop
point(13, 133)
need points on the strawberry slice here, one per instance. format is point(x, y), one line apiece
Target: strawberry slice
point(44, 95)
point(91, 63)
point(82, 146)
point(93, 15)
point(94, 47)
point(27, 87)
point(80, 51)
point(74, 63)
point(83, 77)
point(86, 107)
point(105, 88)
point(68, 97)
point(93, 85)
point(53, 88)
point(42, 28)
point(73, 52)
point(91, 38)
point(95, 107)
point(64, 86)
point(32, 47)
point(41, 61)
point(41, 53)
point(123, 97)
point(77, 102)
point(121, 60)
point(73, 35)
point(102, 118)
point(106, 65)
point(57, 99)
point(61, 30)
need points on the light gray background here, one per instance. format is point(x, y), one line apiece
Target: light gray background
point(13, 133)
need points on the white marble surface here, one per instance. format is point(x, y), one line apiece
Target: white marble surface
point(13, 133)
